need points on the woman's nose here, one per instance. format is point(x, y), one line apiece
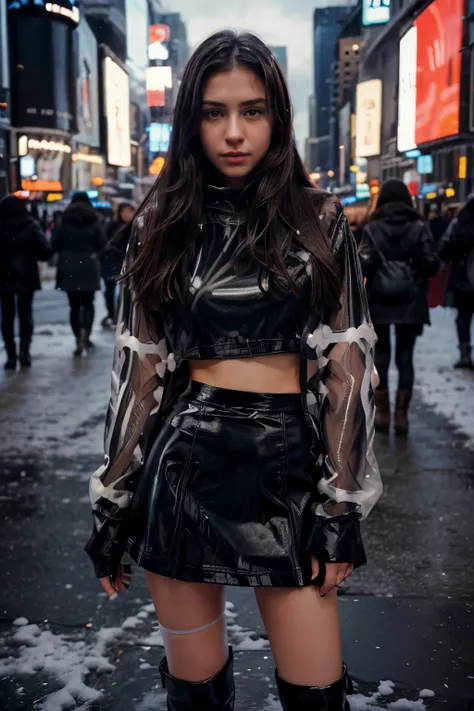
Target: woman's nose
point(234, 130)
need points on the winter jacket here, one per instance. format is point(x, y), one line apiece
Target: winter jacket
point(22, 246)
point(396, 233)
point(457, 247)
point(112, 258)
point(79, 241)
point(336, 347)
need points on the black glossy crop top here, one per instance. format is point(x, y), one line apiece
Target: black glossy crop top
point(229, 311)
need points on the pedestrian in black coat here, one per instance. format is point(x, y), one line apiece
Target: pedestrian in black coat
point(118, 235)
point(457, 247)
point(79, 241)
point(22, 245)
point(398, 257)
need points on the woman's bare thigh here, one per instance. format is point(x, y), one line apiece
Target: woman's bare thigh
point(304, 634)
point(193, 626)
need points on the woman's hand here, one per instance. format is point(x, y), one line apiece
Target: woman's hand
point(113, 586)
point(336, 573)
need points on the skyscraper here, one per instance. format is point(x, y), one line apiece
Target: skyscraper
point(327, 23)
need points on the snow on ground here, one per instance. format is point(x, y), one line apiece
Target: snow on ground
point(450, 392)
point(74, 663)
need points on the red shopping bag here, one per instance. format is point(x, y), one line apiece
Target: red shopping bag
point(438, 287)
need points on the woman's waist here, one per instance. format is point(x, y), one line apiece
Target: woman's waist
point(245, 400)
point(276, 374)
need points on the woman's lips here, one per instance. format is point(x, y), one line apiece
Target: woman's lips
point(235, 159)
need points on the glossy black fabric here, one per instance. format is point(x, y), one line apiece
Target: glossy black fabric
point(229, 311)
point(314, 698)
point(226, 492)
point(400, 235)
point(335, 487)
point(216, 694)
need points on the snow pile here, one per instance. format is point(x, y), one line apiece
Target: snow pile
point(68, 659)
point(242, 640)
point(448, 391)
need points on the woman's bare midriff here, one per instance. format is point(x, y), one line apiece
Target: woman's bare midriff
point(277, 373)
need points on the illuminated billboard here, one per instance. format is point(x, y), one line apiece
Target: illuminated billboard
point(158, 79)
point(158, 38)
point(439, 30)
point(407, 92)
point(65, 10)
point(375, 12)
point(159, 137)
point(117, 113)
point(368, 118)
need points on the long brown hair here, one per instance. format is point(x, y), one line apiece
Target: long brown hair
point(285, 206)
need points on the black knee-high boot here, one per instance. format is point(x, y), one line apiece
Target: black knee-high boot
point(315, 698)
point(216, 694)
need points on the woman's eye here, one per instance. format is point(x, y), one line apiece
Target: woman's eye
point(253, 113)
point(213, 114)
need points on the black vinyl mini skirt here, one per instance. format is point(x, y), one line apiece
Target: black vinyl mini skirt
point(226, 491)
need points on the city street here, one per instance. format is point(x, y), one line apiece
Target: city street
point(407, 616)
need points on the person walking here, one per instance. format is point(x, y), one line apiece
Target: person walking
point(112, 258)
point(79, 241)
point(398, 258)
point(240, 428)
point(22, 246)
point(457, 247)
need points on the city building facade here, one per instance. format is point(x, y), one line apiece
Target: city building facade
point(327, 24)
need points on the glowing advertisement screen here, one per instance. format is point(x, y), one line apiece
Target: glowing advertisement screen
point(117, 112)
point(368, 118)
point(407, 92)
point(438, 70)
point(158, 79)
point(159, 137)
point(66, 10)
point(375, 12)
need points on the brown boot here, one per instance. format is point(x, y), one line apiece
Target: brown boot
point(382, 411)
point(401, 412)
point(80, 343)
point(465, 361)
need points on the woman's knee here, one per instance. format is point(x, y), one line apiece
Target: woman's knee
point(304, 633)
point(192, 624)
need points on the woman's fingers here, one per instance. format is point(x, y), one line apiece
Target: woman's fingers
point(336, 573)
point(349, 571)
point(112, 586)
point(341, 575)
point(332, 570)
point(108, 587)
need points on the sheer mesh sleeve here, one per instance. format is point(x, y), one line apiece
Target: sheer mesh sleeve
point(139, 365)
point(342, 390)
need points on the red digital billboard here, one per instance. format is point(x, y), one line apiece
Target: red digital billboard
point(439, 30)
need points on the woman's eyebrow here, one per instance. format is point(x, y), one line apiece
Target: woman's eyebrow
point(250, 102)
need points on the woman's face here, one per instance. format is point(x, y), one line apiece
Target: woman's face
point(236, 125)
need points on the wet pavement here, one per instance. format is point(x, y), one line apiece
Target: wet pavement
point(407, 617)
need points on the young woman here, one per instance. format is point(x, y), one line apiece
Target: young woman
point(239, 433)
point(398, 257)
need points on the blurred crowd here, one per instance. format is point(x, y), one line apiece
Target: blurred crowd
point(87, 252)
point(410, 263)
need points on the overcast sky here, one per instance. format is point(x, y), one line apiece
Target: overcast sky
point(278, 22)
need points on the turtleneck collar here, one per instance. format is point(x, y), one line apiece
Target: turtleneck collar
point(226, 203)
